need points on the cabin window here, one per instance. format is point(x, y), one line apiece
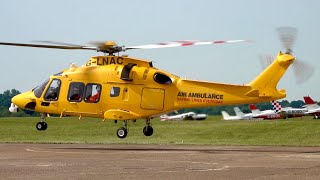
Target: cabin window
point(75, 91)
point(93, 92)
point(114, 91)
point(53, 90)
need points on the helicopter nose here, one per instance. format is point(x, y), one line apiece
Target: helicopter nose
point(24, 101)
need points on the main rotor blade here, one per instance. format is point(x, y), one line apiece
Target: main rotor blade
point(49, 46)
point(112, 47)
point(58, 43)
point(181, 43)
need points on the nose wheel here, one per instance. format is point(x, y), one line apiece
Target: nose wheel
point(42, 125)
point(123, 132)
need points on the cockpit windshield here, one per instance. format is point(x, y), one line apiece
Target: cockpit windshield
point(39, 89)
point(58, 74)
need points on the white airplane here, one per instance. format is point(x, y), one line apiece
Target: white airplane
point(267, 114)
point(279, 112)
point(312, 107)
point(183, 116)
point(290, 112)
point(239, 115)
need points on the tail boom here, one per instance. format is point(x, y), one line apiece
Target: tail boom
point(204, 94)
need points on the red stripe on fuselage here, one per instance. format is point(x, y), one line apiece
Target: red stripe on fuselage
point(271, 116)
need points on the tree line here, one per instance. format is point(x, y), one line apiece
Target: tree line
point(5, 102)
point(6, 96)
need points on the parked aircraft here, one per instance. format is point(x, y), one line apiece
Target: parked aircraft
point(312, 107)
point(290, 112)
point(183, 116)
point(239, 115)
point(278, 112)
point(267, 114)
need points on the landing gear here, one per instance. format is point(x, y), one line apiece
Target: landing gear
point(42, 125)
point(123, 132)
point(148, 130)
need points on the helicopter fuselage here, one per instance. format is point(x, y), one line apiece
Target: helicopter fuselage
point(131, 88)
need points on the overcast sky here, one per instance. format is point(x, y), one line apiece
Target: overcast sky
point(139, 22)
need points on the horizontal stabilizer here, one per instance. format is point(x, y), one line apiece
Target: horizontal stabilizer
point(253, 93)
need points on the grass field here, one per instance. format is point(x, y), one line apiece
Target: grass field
point(291, 132)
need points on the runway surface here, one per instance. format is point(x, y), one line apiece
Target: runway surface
point(87, 161)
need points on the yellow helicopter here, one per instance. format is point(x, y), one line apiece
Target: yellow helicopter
point(117, 87)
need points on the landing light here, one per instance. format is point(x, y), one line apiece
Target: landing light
point(13, 108)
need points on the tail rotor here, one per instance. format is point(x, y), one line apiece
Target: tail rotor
point(302, 70)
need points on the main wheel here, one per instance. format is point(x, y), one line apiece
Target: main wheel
point(148, 130)
point(44, 126)
point(122, 132)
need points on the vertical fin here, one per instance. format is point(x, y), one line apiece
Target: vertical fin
point(266, 82)
point(225, 115)
point(254, 109)
point(308, 100)
point(311, 105)
point(238, 112)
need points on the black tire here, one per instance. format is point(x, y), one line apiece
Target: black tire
point(122, 132)
point(148, 130)
point(39, 126)
point(44, 126)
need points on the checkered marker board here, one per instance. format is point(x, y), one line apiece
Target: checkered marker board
point(276, 106)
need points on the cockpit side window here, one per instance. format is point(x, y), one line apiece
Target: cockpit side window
point(75, 92)
point(52, 93)
point(39, 89)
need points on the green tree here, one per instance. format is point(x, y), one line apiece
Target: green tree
point(5, 102)
point(5, 98)
point(297, 104)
